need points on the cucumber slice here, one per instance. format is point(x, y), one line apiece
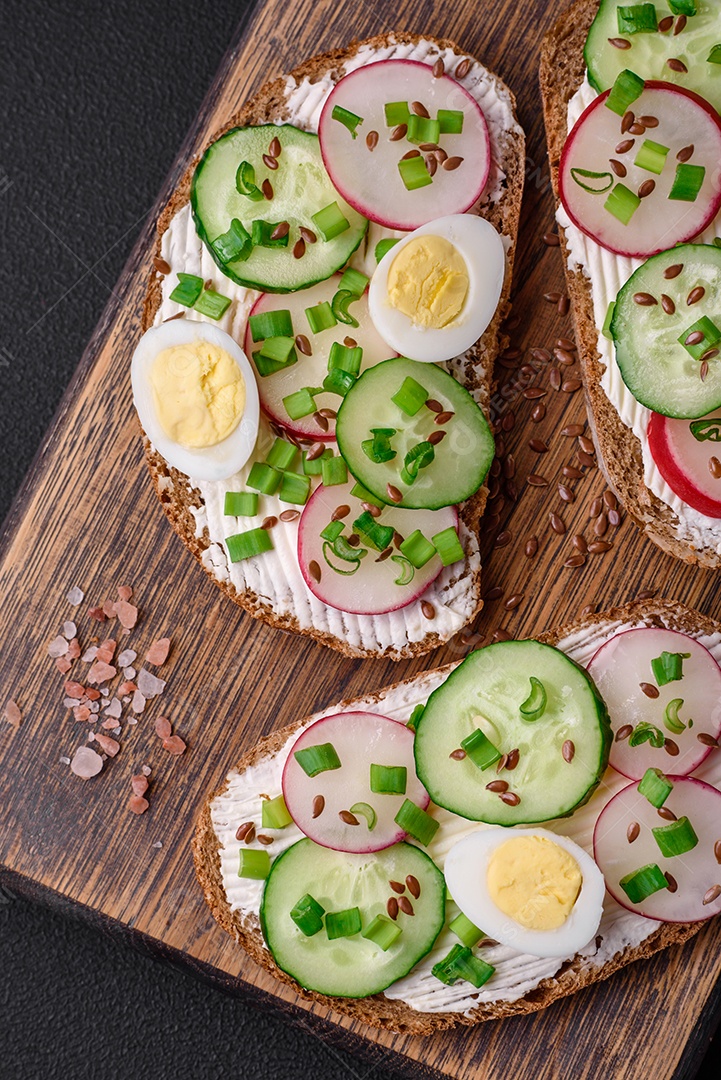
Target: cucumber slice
point(486, 692)
point(350, 966)
point(657, 369)
point(461, 460)
point(649, 52)
point(301, 187)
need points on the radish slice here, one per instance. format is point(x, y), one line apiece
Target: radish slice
point(370, 179)
point(360, 739)
point(688, 456)
point(685, 123)
point(311, 370)
point(696, 873)
point(622, 671)
point(365, 587)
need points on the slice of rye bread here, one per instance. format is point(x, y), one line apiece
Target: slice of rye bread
point(619, 451)
point(178, 500)
point(379, 1011)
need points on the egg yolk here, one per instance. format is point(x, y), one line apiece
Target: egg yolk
point(428, 281)
point(199, 393)
point(534, 881)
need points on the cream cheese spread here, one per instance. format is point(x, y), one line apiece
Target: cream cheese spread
point(275, 576)
point(607, 272)
point(516, 973)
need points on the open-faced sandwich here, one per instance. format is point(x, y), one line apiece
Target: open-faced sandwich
point(632, 94)
point(321, 326)
point(483, 838)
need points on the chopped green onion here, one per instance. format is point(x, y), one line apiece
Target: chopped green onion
point(240, 504)
point(245, 182)
point(589, 174)
point(397, 112)
point(389, 779)
point(247, 544)
point(622, 203)
point(294, 489)
point(353, 281)
point(334, 471)
point(317, 759)
point(383, 247)
point(314, 467)
point(418, 549)
point(271, 324)
point(606, 331)
point(332, 531)
point(339, 924)
point(366, 811)
point(649, 733)
point(714, 57)
point(414, 173)
point(308, 915)
point(320, 317)
point(338, 381)
point(687, 183)
point(378, 536)
point(466, 931)
point(418, 457)
point(188, 289)
point(355, 561)
point(347, 118)
point(343, 358)
point(266, 367)
point(340, 304)
point(261, 234)
point(212, 304)
point(682, 7)
point(642, 883)
point(655, 787)
point(534, 706)
point(652, 156)
point(346, 551)
point(675, 838)
point(448, 546)
point(670, 717)
point(254, 864)
point(451, 121)
point(378, 449)
point(234, 244)
point(480, 749)
point(460, 963)
point(706, 429)
point(668, 667)
point(278, 349)
point(423, 130)
point(416, 822)
point(408, 570)
point(274, 813)
point(711, 337)
point(410, 397)
point(282, 454)
point(627, 87)
point(637, 19)
point(363, 495)
point(300, 403)
point(415, 717)
point(382, 931)
point(330, 221)
point(264, 478)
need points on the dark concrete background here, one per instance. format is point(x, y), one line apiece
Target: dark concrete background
point(95, 99)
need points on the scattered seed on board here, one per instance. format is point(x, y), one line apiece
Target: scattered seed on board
point(557, 523)
point(555, 378)
point(566, 494)
point(513, 601)
point(538, 413)
point(531, 548)
point(579, 542)
point(574, 561)
point(494, 594)
point(551, 239)
point(538, 446)
point(536, 480)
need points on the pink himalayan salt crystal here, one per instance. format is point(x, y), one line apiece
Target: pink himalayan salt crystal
point(57, 647)
point(108, 745)
point(138, 703)
point(158, 651)
point(75, 597)
point(101, 672)
point(63, 664)
point(12, 713)
point(86, 763)
point(127, 613)
point(138, 804)
point(139, 784)
point(126, 657)
point(163, 727)
point(149, 685)
point(125, 592)
point(174, 745)
point(70, 630)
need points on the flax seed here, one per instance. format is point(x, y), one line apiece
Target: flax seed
point(392, 907)
point(399, 132)
point(666, 814)
point(531, 547)
point(555, 378)
point(372, 140)
point(269, 523)
point(644, 299)
point(497, 786)
point(574, 561)
point(551, 239)
point(282, 229)
point(299, 248)
point(457, 755)
point(303, 345)
point(564, 305)
point(626, 145)
point(632, 832)
point(308, 235)
point(557, 524)
point(510, 798)
point(600, 527)
point(599, 547)
point(513, 601)
point(429, 612)
point(571, 472)
point(618, 167)
point(585, 459)
point(538, 413)
point(161, 265)
point(714, 467)
point(566, 494)
point(619, 43)
point(677, 65)
point(671, 747)
point(532, 393)
point(563, 356)
point(270, 162)
point(452, 163)
point(438, 68)
point(536, 480)
point(712, 894)
point(434, 406)
point(665, 24)
point(462, 68)
point(623, 732)
point(627, 121)
point(568, 751)
point(414, 886)
point(695, 295)
point(667, 304)
point(405, 905)
point(570, 386)
point(397, 886)
point(552, 297)
point(314, 570)
point(706, 739)
point(503, 539)
point(348, 818)
point(685, 154)
point(541, 355)
point(579, 542)
point(649, 690)
point(340, 512)
point(673, 271)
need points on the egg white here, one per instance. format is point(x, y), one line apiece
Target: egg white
point(482, 250)
point(466, 871)
point(208, 463)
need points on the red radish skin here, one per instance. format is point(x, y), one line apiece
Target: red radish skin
point(695, 872)
point(360, 740)
point(311, 370)
point(684, 463)
point(658, 223)
point(370, 181)
point(371, 590)
point(623, 664)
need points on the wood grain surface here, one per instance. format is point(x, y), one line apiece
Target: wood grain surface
point(87, 516)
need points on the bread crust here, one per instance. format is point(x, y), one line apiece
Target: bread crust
point(178, 499)
point(619, 451)
point(379, 1011)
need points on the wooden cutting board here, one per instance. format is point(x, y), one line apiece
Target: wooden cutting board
point(87, 516)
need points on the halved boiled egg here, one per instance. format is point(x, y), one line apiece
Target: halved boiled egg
point(196, 397)
point(436, 290)
point(530, 889)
